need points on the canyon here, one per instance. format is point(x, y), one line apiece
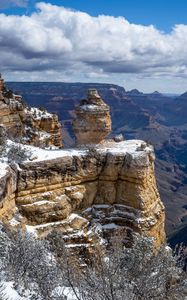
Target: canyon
point(159, 119)
point(101, 185)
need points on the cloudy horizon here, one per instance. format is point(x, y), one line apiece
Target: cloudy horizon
point(55, 43)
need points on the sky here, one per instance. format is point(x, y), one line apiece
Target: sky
point(134, 43)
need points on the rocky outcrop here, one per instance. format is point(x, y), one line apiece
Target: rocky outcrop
point(8, 186)
point(2, 85)
point(32, 125)
point(108, 187)
point(93, 123)
point(42, 128)
point(113, 186)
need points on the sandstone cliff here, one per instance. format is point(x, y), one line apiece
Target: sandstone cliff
point(75, 190)
point(34, 126)
point(109, 187)
point(8, 187)
point(93, 123)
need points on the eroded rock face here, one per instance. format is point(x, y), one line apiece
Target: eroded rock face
point(8, 186)
point(110, 186)
point(34, 126)
point(115, 188)
point(93, 123)
point(42, 129)
point(2, 85)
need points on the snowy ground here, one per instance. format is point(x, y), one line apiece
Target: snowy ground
point(131, 147)
point(9, 293)
point(38, 114)
point(3, 169)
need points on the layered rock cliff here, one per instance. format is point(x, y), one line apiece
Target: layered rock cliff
point(114, 186)
point(8, 187)
point(32, 125)
point(108, 187)
point(93, 123)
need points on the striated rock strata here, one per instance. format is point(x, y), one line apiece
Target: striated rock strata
point(8, 187)
point(72, 190)
point(34, 126)
point(86, 192)
point(93, 123)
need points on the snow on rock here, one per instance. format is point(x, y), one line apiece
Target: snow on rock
point(9, 292)
point(72, 217)
point(110, 226)
point(3, 169)
point(38, 154)
point(13, 222)
point(77, 245)
point(31, 230)
point(65, 291)
point(37, 113)
point(90, 107)
point(38, 203)
point(125, 147)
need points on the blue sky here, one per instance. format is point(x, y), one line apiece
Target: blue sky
point(164, 14)
point(144, 48)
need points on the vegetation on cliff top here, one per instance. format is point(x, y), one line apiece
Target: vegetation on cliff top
point(44, 269)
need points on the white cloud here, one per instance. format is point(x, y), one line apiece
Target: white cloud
point(76, 45)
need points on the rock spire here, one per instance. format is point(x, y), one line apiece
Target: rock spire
point(92, 123)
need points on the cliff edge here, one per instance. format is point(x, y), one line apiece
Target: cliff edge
point(28, 124)
point(107, 186)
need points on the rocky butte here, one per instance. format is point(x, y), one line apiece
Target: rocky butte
point(106, 187)
point(93, 122)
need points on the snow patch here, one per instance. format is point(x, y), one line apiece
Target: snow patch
point(121, 148)
point(110, 226)
point(38, 114)
point(3, 169)
point(31, 230)
point(14, 222)
point(10, 293)
point(90, 107)
point(42, 202)
point(76, 245)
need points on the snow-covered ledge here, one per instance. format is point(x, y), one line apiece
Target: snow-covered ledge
point(53, 184)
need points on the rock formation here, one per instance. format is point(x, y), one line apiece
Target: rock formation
point(2, 85)
point(42, 128)
point(110, 186)
point(8, 187)
point(34, 126)
point(75, 190)
point(93, 122)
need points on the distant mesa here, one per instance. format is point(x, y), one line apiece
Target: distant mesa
point(134, 92)
point(156, 93)
point(184, 95)
point(93, 122)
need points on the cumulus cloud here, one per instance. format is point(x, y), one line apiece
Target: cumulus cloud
point(72, 42)
point(13, 3)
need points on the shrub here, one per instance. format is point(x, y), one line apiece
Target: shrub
point(44, 267)
point(18, 153)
